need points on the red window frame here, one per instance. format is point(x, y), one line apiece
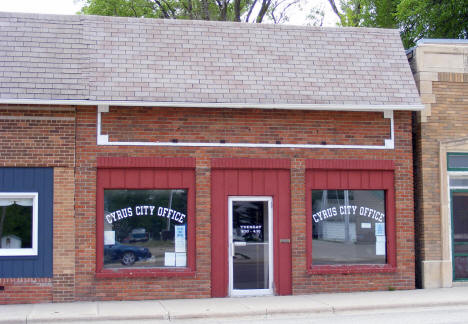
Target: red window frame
point(119, 173)
point(352, 175)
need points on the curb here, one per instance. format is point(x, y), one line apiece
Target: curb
point(167, 310)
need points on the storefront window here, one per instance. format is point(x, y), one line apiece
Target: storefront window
point(145, 228)
point(348, 227)
point(18, 224)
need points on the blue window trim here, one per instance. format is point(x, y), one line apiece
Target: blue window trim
point(41, 181)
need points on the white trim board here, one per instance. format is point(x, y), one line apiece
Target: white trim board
point(231, 249)
point(165, 104)
point(34, 248)
point(104, 139)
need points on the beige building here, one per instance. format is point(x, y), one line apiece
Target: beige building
point(440, 69)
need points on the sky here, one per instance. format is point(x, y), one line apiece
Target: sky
point(70, 7)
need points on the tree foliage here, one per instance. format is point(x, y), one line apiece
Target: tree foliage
point(366, 13)
point(432, 19)
point(416, 19)
point(224, 10)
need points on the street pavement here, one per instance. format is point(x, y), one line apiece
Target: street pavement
point(217, 310)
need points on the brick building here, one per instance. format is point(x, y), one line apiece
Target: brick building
point(146, 159)
point(440, 68)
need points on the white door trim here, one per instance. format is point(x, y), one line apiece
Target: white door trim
point(251, 292)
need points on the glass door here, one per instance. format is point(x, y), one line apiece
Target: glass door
point(459, 200)
point(250, 246)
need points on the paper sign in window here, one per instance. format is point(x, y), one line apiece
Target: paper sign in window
point(380, 245)
point(109, 237)
point(179, 232)
point(379, 229)
point(181, 259)
point(169, 259)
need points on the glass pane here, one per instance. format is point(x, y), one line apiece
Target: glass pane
point(456, 161)
point(461, 267)
point(16, 223)
point(461, 248)
point(459, 182)
point(348, 227)
point(251, 249)
point(460, 216)
point(145, 228)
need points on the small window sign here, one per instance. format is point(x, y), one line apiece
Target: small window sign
point(109, 237)
point(380, 245)
point(379, 229)
point(366, 225)
point(179, 238)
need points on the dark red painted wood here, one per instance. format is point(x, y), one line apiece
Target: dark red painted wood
point(146, 178)
point(219, 244)
point(144, 162)
point(144, 273)
point(391, 221)
point(352, 174)
point(103, 181)
point(143, 176)
point(263, 164)
point(132, 178)
point(283, 230)
point(234, 177)
point(117, 178)
point(350, 164)
point(344, 269)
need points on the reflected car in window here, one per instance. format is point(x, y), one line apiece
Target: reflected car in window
point(126, 254)
point(139, 235)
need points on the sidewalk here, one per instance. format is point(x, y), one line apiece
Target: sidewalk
point(230, 307)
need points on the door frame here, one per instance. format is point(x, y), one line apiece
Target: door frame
point(452, 191)
point(251, 292)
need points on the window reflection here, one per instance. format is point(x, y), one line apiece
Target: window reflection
point(348, 227)
point(145, 228)
point(16, 215)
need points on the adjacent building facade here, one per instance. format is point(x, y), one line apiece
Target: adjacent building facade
point(145, 159)
point(440, 68)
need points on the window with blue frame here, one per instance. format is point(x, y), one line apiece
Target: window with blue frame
point(26, 211)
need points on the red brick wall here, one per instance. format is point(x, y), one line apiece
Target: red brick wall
point(47, 141)
point(237, 126)
point(37, 136)
point(144, 124)
point(25, 290)
point(41, 136)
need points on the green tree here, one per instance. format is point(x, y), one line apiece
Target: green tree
point(224, 10)
point(432, 19)
point(366, 13)
point(416, 19)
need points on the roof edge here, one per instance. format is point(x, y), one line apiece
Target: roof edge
point(29, 15)
point(286, 106)
point(443, 41)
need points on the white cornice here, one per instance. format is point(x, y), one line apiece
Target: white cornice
point(336, 107)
